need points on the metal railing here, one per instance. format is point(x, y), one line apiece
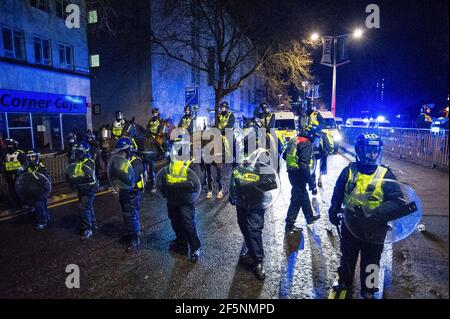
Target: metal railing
point(55, 164)
point(419, 145)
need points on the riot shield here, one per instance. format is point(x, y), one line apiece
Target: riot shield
point(120, 173)
point(81, 176)
point(33, 187)
point(254, 186)
point(389, 219)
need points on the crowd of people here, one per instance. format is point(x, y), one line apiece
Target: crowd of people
point(130, 173)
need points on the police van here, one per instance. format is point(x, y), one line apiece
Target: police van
point(285, 125)
point(329, 127)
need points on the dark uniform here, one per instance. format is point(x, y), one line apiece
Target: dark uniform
point(247, 193)
point(130, 199)
point(424, 120)
point(14, 159)
point(179, 187)
point(37, 208)
point(354, 181)
point(267, 117)
point(298, 156)
point(154, 130)
point(187, 121)
point(83, 179)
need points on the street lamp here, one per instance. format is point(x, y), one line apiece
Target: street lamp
point(357, 34)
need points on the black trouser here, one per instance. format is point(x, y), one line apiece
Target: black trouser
point(251, 223)
point(350, 249)
point(41, 212)
point(182, 218)
point(209, 178)
point(151, 173)
point(131, 202)
point(299, 198)
point(14, 200)
point(87, 215)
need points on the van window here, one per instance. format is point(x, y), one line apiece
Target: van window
point(329, 123)
point(384, 125)
point(357, 123)
point(285, 124)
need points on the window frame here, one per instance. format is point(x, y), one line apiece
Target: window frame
point(13, 54)
point(39, 5)
point(62, 14)
point(65, 65)
point(50, 56)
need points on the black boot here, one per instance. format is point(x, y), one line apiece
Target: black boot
point(195, 255)
point(311, 220)
point(293, 229)
point(134, 243)
point(259, 271)
point(179, 246)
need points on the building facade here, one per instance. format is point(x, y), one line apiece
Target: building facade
point(131, 74)
point(44, 73)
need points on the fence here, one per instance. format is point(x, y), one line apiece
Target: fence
point(55, 164)
point(418, 145)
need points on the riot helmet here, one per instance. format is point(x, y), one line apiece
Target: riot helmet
point(33, 157)
point(368, 148)
point(80, 151)
point(119, 116)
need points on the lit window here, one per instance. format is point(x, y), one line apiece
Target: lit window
point(92, 17)
point(13, 43)
point(40, 4)
point(65, 56)
point(42, 52)
point(95, 61)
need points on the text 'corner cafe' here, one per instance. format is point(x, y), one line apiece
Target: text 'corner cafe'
point(41, 120)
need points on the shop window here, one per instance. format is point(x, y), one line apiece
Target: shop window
point(47, 132)
point(65, 56)
point(74, 124)
point(40, 4)
point(42, 51)
point(18, 120)
point(23, 136)
point(13, 43)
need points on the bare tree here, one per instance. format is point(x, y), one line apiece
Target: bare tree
point(221, 49)
point(286, 67)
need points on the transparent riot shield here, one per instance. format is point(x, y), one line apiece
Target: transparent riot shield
point(81, 176)
point(254, 186)
point(178, 188)
point(383, 219)
point(32, 187)
point(120, 173)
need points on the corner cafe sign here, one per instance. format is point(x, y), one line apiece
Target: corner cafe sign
point(32, 102)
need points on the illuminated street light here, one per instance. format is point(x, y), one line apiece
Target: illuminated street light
point(315, 37)
point(358, 33)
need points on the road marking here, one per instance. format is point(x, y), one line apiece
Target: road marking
point(76, 200)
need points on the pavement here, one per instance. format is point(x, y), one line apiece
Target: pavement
point(33, 264)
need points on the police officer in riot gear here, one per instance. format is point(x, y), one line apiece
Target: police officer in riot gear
point(94, 149)
point(82, 178)
point(267, 116)
point(38, 202)
point(298, 156)
point(187, 121)
point(118, 124)
point(179, 186)
point(248, 185)
point(130, 199)
point(14, 159)
point(355, 180)
point(424, 120)
point(226, 118)
point(154, 131)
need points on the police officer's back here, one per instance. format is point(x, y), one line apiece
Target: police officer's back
point(14, 159)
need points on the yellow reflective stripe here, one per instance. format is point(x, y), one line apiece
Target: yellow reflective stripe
point(362, 182)
point(223, 120)
point(178, 171)
point(12, 166)
point(117, 131)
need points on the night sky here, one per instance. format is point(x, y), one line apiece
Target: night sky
point(410, 50)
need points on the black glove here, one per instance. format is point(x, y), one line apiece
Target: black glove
point(314, 191)
point(334, 214)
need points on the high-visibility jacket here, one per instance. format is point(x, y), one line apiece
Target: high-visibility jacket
point(267, 119)
point(314, 118)
point(186, 122)
point(223, 120)
point(357, 191)
point(12, 162)
point(178, 171)
point(140, 183)
point(291, 152)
